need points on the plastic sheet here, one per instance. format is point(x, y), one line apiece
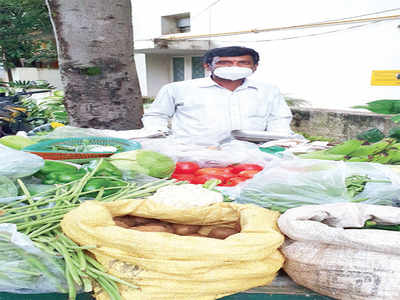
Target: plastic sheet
point(215, 155)
point(25, 269)
point(291, 183)
point(16, 164)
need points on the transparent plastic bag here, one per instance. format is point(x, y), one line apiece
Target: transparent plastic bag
point(285, 184)
point(138, 178)
point(7, 188)
point(25, 269)
point(218, 155)
point(70, 131)
point(17, 164)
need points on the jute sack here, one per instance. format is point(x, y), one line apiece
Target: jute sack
point(169, 266)
point(328, 254)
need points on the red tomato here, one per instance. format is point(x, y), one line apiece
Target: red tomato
point(183, 177)
point(203, 178)
point(242, 167)
point(186, 167)
point(224, 172)
point(234, 181)
point(248, 173)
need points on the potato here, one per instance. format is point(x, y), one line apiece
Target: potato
point(143, 221)
point(151, 228)
point(183, 229)
point(221, 232)
point(125, 221)
point(121, 224)
point(168, 226)
point(205, 229)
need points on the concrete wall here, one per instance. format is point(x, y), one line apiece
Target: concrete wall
point(336, 124)
point(28, 74)
point(160, 74)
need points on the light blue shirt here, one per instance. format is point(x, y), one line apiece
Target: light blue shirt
point(201, 107)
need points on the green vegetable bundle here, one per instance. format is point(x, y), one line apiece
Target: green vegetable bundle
point(292, 183)
point(38, 217)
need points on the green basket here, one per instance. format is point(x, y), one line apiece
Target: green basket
point(45, 149)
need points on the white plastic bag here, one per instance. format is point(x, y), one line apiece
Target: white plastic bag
point(16, 164)
point(24, 269)
point(71, 131)
point(215, 155)
point(7, 188)
point(286, 184)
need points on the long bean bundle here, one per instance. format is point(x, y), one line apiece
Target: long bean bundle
point(39, 216)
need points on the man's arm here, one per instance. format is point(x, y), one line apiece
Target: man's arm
point(160, 111)
point(281, 115)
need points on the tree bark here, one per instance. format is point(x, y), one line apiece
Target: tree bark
point(98, 72)
point(9, 74)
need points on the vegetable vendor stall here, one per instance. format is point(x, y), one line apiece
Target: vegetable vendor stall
point(94, 217)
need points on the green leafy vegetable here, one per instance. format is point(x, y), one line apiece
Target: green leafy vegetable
point(394, 132)
point(371, 135)
point(355, 184)
point(144, 161)
point(384, 106)
point(373, 225)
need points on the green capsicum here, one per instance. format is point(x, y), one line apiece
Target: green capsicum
point(95, 184)
point(51, 166)
point(65, 176)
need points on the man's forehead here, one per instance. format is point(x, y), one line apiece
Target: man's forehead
point(241, 57)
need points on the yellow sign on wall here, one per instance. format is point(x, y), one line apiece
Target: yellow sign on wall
point(386, 77)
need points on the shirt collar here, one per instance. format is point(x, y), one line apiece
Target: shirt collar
point(208, 82)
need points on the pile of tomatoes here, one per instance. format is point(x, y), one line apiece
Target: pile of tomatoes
point(229, 176)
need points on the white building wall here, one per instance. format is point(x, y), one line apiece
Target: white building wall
point(329, 66)
point(141, 70)
point(160, 75)
point(52, 76)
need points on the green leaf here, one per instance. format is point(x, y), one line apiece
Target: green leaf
point(384, 106)
point(396, 118)
point(371, 135)
point(395, 133)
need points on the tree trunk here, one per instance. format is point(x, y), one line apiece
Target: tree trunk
point(98, 72)
point(9, 74)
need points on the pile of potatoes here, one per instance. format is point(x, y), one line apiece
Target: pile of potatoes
point(154, 225)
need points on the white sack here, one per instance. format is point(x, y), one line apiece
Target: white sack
point(326, 254)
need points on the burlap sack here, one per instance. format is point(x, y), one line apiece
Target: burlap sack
point(169, 266)
point(328, 254)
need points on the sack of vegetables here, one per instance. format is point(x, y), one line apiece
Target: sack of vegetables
point(343, 251)
point(201, 253)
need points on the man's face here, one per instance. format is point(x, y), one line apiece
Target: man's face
point(244, 61)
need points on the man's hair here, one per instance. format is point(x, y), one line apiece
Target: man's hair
point(230, 51)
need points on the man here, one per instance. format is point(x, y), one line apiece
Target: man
point(227, 100)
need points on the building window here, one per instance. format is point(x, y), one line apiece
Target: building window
point(178, 68)
point(197, 67)
point(175, 23)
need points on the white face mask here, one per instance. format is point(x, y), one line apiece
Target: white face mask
point(232, 73)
